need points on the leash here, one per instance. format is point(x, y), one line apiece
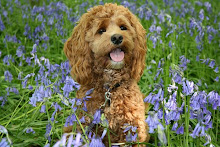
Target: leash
point(107, 102)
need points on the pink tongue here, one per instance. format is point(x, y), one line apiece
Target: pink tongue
point(117, 55)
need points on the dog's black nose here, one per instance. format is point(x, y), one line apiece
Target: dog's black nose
point(117, 39)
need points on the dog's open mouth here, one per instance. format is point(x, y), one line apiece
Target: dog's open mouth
point(117, 55)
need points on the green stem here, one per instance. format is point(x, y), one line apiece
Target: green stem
point(186, 121)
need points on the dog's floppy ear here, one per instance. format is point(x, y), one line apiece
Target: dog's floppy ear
point(139, 52)
point(78, 52)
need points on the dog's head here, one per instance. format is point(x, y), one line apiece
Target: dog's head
point(106, 37)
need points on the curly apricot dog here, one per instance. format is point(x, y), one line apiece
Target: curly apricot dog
point(107, 52)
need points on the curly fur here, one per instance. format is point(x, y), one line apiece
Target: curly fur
point(88, 54)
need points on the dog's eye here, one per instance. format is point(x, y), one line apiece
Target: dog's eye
point(101, 31)
point(123, 28)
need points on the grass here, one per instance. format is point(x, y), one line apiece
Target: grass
point(183, 42)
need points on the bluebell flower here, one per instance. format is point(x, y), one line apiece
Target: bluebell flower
point(188, 87)
point(47, 145)
point(131, 138)
point(3, 99)
point(68, 87)
point(57, 108)
point(152, 28)
point(27, 31)
point(70, 141)
point(30, 130)
point(184, 61)
point(62, 142)
point(96, 142)
point(148, 14)
point(172, 104)
point(161, 17)
point(201, 14)
point(171, 88)
point(8, 76)
point(158, 29)
point(70, 120)
point(20, 51)
point(4, 143)
point(161, 135)
point(212, 64)
point(77, 142)
point(214, 99)
point(208, 6)
point(104, 133)
point(28, 60)
point(2, 26)
point(40, 93)
point(33, 99)
point(82, 120)
point(180, 130)
point(217, 79)
point(141, 12)
point(7, 59)
point(43, 109)
point(14, 90)
point(78, 102)
point(152, 121)
point(48, 130)
point(175, 125)
point(210, 38)
point(97, 117)
point(216, 70)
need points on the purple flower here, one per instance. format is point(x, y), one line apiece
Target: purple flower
point(216, 70)
point(2, 26)
point(175, 125)
point(97, 117)
point(198, 131)
point(172, 87)
point(61, 142)
point(34, 50)
point(96, 142)
point(217, 79)
point(212, 64)
point(70, 119)
point(30, 130)
point(4, 143)
point(8, 76)
point(184, 61)
point(201, 14)
point(43, 109)
point(40, 93)
point(57, 107)
point(171, 104)
point(153, 121)
point(162, 135)
point(131, 138)
point(82, 120)
point(68, 87)
point(208, 6)
point(210, 38)
point(158, 29)
point(14, 90)
point(77, 142)
point(180, 130)
point(7, 59)
point(188, 87)
point(3, 99)
point(214, 99)
point(48, 130)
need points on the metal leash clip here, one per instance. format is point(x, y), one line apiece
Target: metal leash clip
point(107, 99)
